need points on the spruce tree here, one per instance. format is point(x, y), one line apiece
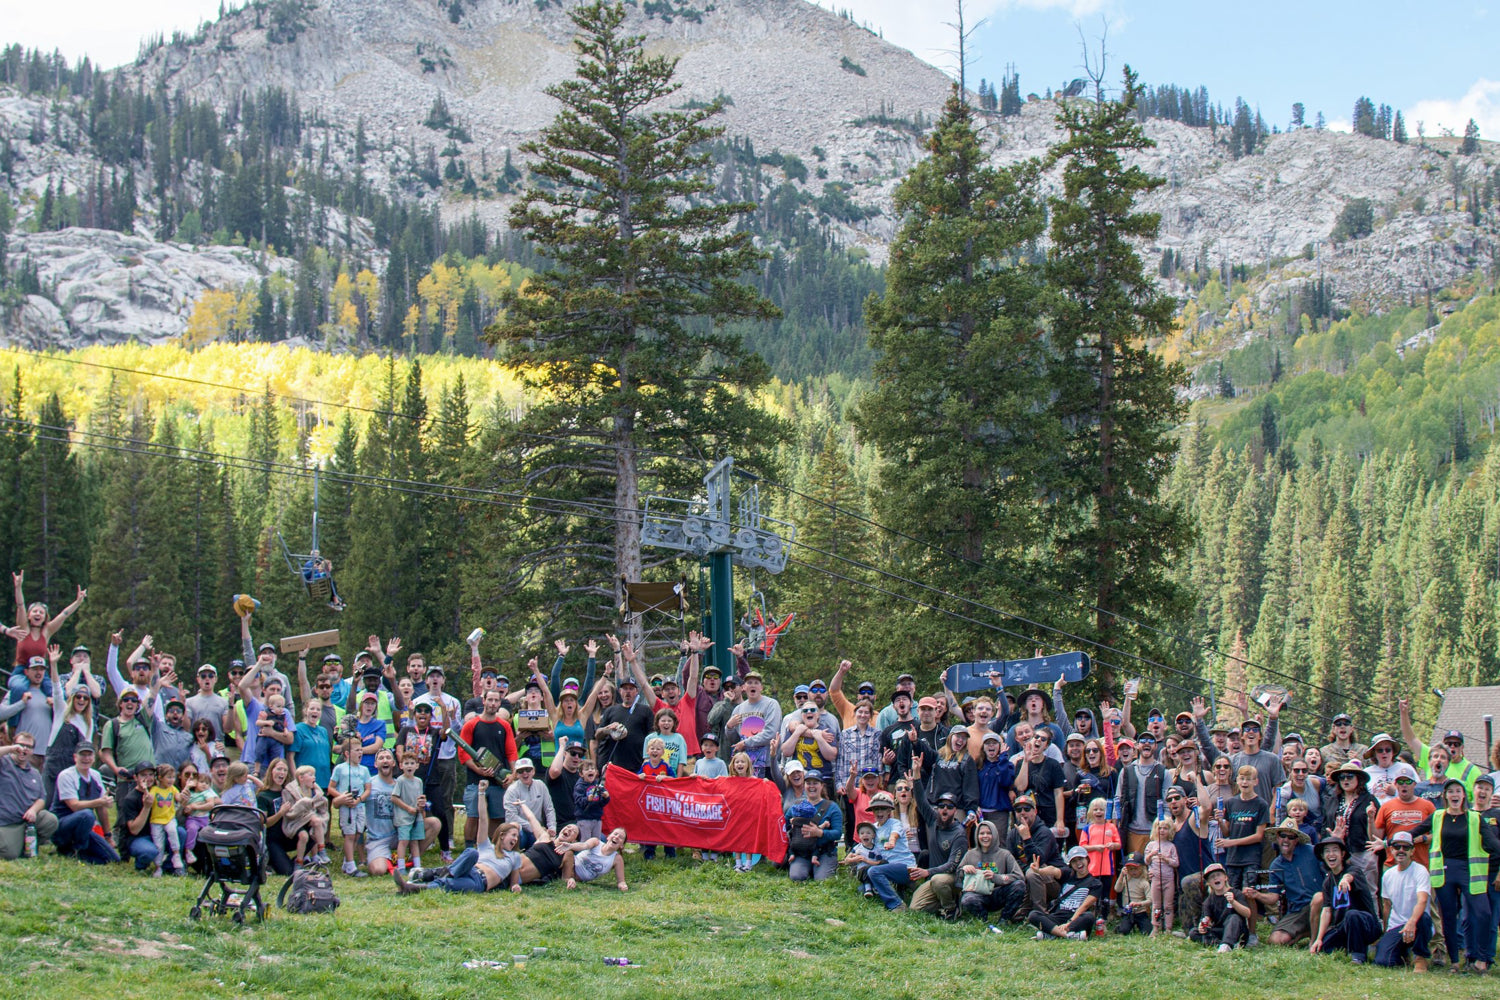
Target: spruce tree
point(1470, 145)
point(621, 341)
point(15, 443)
point(51, 534)
point(1113, 536)
point(830, 613)
point(958, 407)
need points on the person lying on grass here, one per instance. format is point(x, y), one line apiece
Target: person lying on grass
point(593, 858)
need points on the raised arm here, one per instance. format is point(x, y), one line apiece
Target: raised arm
point(554, 682)
point(117, 682)
point(61, 697)
point(62, 616)
point(1408, 733)
point(303, 687)
point(19, 580)
point(548, 702)
point(247, 644)
point(590, 667)
point(638, 670)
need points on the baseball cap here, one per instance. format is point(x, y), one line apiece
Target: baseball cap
point(578, 749)
point(905, 677)
point(1156, 713)
point(40, 661)
point(434, 669)
point(1248, 725)
point(1294, 738)
point(208, 668)
point(175, 701)
point(990, 736)
point(84, 747)
point(423, 706)
point(1342, 719)
point(1403, 776)
point(1076, 854)
point(265, 646)
point(947, 799)
point(1183, 715)
point(502, 679)
point(1401, 837)
point(801, 689)
point(793, 766)
point(525, 764)
point(628, 681)
point(711, 669)
point(928, 702)
point(882, 800)
point(488, 672)
point(129, 694)
point(753, 675)
point(866, 686)
point(705, 738)
point(1453, 734)
point(333, 658)
point(80, 648)
point(370, 696)
point(1075, 736)
point(1135, 858)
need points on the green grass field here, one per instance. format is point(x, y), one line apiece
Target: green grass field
point(67, 930)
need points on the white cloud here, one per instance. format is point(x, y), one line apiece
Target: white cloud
point(107, 31)
point(1481, 103)
point(922, 26)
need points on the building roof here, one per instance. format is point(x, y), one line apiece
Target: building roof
point(1464, 709)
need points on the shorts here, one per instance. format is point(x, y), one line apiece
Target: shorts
point(379, 849)
point(1295, 925)
point(352, 820)
point(1241, 875)
point(494, 797)
point(415, 830)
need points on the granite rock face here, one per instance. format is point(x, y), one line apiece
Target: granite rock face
point(801, 81)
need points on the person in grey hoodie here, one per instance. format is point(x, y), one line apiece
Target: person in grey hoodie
point(1081, 722)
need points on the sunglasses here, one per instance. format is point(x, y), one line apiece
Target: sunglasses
point(1093, 751)
point(818, 690)
point(1174, 798)
point(1452, 746)
point(1299, 770)
point(1025, 809)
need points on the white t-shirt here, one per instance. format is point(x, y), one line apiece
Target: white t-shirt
point(1383, 779)
point(1401, 888)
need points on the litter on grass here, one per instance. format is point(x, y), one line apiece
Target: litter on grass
point(484, 963)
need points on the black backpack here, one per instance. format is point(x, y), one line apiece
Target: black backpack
point(309, 890)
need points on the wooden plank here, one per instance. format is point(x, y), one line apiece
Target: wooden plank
point(311, 640)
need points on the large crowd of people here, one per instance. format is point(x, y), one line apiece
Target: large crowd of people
point(992, 807)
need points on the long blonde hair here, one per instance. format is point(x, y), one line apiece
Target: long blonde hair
point(734, 765)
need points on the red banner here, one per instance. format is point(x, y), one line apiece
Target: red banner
point(711, 814)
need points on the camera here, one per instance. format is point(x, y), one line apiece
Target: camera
point(1265, 880)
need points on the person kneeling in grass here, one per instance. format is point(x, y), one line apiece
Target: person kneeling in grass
point(1077, 902)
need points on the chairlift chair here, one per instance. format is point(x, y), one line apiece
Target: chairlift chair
point(309, 566)
point(762, 628)
point(657, 609)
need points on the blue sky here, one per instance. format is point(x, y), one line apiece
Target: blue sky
point(1437, 61)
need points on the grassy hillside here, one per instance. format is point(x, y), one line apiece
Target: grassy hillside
point(69, 930)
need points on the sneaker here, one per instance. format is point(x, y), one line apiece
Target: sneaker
point(190, 857)
point(1253, 941)
point(1357, 959)
point(1079, 936)
point(447, 857)
point(1041, 936)
point(349, 868)
point(156, 872)
point(361, 873)
point(1225, 949)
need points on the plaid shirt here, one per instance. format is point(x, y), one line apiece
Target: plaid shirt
point(860, 748)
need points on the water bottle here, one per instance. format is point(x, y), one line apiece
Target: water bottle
point(30, 844)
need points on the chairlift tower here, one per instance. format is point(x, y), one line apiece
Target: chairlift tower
point(727, 532)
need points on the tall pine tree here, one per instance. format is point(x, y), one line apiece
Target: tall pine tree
point(1113, 536)
point(620, 342)
point(958, 408)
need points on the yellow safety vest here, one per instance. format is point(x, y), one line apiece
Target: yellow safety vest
point(1479, 862)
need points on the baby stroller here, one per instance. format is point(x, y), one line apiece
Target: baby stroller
point(232, 842)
